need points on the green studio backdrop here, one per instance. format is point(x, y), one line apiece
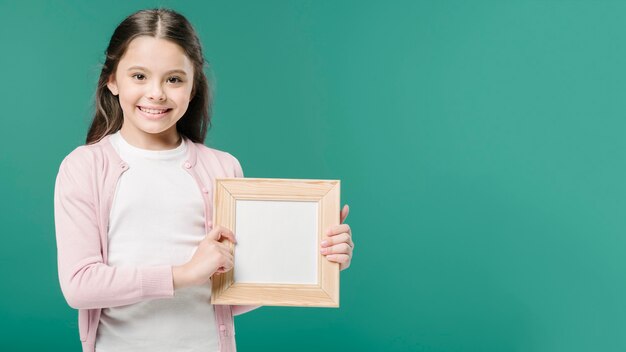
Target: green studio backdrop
point(481, 146)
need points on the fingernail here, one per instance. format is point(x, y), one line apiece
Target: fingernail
point(324, 243)
point(324, 250)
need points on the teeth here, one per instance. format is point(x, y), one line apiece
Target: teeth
point(152, 111)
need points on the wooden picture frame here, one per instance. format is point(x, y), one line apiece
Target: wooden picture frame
point(279, 225)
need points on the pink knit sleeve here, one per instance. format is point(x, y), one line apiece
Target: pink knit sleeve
point(86, 282)
point(237, 310)
point(237, 166)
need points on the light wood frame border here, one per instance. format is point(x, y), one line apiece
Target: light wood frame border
point(326, 192)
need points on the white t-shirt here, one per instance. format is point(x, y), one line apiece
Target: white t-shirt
point(157, 217)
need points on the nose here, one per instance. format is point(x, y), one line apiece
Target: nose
point(156, 93)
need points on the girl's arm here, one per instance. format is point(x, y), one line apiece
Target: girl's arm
point(86, 282)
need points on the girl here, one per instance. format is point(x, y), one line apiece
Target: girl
point(135, 239)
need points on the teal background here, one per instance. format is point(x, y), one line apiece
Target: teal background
point(480, 145)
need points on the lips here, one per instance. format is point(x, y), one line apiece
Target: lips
point(153, 111)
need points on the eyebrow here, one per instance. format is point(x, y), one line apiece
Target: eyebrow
point(168, 72)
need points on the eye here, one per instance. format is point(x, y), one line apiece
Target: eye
point(174, 79)
point(139, 76)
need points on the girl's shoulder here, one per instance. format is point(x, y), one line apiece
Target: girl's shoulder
point(224, 158)
point(87, 157)
point(205, 151)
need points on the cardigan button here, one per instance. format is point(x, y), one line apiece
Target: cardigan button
point(205, 190)
point(222, 327)
point(187, 165)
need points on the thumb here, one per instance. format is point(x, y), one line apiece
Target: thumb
point(344, 213)
point(219, 232)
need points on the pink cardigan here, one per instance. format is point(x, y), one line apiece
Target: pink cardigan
point(84, 189)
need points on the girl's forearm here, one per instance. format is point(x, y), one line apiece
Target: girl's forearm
point(180, 277)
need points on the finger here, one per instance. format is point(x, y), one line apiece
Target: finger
point(339, 258)
point(219, 232)
point(230, 238)
point(225, 233)
point(224, 246)
point(226, 264)
point(344, 213)
point(343, 260)
point(337, 229)
point(340, 238)
point(226, 255)
point(341, 248)
point(216, 232)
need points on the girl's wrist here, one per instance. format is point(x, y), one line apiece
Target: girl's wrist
point(180, 277)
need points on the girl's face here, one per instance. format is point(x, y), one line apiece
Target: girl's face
point(154, 82)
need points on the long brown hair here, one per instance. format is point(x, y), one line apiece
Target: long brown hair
point(159, 23)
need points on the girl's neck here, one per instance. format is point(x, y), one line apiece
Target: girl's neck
point(161, 141)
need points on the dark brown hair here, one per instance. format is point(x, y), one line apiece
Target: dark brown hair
point(159, 23)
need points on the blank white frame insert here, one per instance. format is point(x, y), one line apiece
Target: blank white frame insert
point(276, 242)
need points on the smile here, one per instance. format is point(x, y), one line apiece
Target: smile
point(153, 111)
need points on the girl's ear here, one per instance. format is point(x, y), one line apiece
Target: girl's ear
point(112, 85)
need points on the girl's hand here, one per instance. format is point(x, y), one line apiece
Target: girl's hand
point(338, 245)
point(212, 256)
